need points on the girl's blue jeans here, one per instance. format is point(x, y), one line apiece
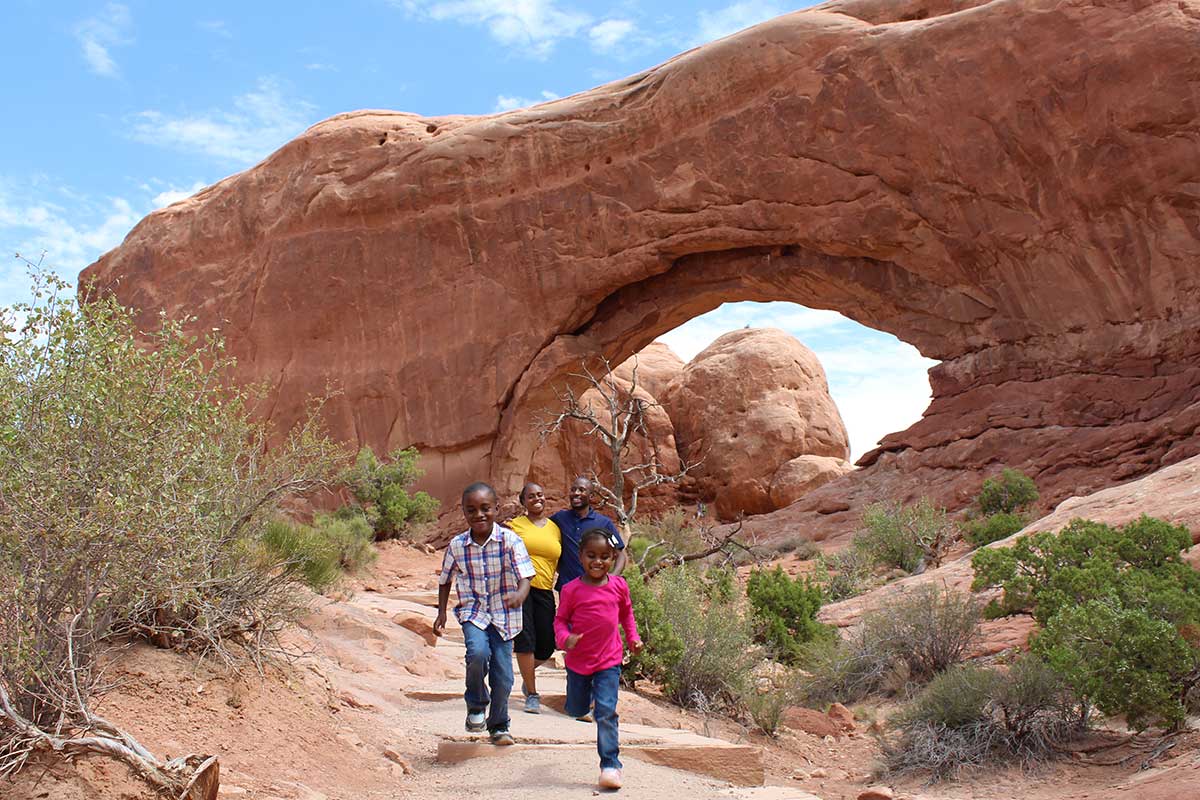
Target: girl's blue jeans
point(489, 657)
point(599, 690)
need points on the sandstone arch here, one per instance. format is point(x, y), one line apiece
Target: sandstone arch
point(1009, 186)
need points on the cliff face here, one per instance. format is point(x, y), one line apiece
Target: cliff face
point(1013, 187)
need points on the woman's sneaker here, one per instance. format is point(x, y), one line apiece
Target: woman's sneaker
point(610, 778)
point(533, 704)
point(476, 723)
point(502, 737)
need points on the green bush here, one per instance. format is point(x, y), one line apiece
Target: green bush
point(325, 550)
point(1007, 493)
point(1113, 603)
point(971, 716)
point(784, 611)
point(670, 533)
point(909, 640)
point(908, 537)
point(844, 575)
point(699, 646)
point(985, 530)
point(765, 703)
point(382, 491)
point(134, 489)
point(662, 647)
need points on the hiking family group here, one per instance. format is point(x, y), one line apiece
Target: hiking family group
point(506, 578)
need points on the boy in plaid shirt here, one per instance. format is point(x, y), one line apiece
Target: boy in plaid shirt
point(493, 572)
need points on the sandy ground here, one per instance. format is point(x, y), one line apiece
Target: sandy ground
point(364, 713)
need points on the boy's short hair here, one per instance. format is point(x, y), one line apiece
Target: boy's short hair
point(479, 486)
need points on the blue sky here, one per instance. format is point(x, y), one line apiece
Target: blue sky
point(116, 109)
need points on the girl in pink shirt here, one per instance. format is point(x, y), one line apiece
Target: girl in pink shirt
point(589, 610)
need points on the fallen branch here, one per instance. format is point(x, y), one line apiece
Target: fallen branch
point(679, 560)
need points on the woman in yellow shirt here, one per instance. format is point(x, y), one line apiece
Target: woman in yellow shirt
point(535, 643)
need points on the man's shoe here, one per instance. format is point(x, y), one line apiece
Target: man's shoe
point(610, 778)
point(587, 717)
point(533, 704)
point(503, 737)
point(476, 722)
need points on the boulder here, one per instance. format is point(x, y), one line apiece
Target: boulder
point(657, 365)
point(1009, 186)
point(751, 401)
point(802, 474)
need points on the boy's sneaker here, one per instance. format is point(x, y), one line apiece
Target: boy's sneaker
point(502, 737)
point(476, 722)
point(610, 778)
point(533, 704)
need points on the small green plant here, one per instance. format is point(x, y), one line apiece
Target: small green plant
point(1002, 502)
point(766, 702)
point(845, 574)
point(324, 551)
point(1009, 492)
point(908, 537)
point(971, 716)
point(908, 641)
point(1114, 605)
point(662, 647)
point(382, 491)
point(785, 611)
point(983, 531)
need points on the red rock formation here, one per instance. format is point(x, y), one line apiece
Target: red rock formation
point(1010, 186)
point(751, 401)
point(803, 474)
point(657, 365)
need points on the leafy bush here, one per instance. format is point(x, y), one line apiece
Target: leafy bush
point(908, 537)
point(844, 575)
point(325, 550)
point(1007, 493)
point(1114, 604)
point(698, 645)
point(910, 640)
point(672, 532)
point(133, 494)
point(970, 716)
point(765, 703)
point(785, 611)
point(985, 530)
point(382, 490)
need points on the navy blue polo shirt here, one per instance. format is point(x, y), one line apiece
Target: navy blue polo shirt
point(572, 525)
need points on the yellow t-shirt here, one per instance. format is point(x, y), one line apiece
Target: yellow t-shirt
point(544, 545)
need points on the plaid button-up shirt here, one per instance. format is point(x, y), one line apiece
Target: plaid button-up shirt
point(486, 574)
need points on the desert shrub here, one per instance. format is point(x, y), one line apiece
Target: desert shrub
point(1007, 493)
point(983, 531)
point(133, 495)
point(670, 533)
point(1114, 604)
point(699, 647)
point(908, 537)
point(908, 641)
point(662, 646)
point(847, 573)
point(765, 702)
point(382, 491)
point(784, 612)
point(324, 551)
point(971, 716)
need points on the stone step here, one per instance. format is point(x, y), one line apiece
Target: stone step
point(738, 764)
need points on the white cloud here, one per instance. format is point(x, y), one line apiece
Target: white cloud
point(260, 121)
point(537, 25)
point(319, 66)
point(506, 102)
point(733, 18)
point(173, 195)
point(98, 34)
point(880, 384)
point(217, 27)
point(608, 34)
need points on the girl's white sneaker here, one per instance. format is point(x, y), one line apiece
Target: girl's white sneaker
point(610, 778)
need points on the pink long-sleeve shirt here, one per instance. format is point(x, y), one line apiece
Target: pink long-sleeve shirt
point(594, 612)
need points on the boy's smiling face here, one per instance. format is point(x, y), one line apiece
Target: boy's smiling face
point(479, 509)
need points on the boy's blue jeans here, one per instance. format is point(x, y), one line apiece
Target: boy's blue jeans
point(600, 687)
point(489, 656)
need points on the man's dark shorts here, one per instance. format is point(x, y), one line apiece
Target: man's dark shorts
point(537, 633)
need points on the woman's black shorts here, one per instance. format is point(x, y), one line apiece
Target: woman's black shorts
point(537, 634)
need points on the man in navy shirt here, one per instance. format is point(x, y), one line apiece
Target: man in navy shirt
point(574, 521)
